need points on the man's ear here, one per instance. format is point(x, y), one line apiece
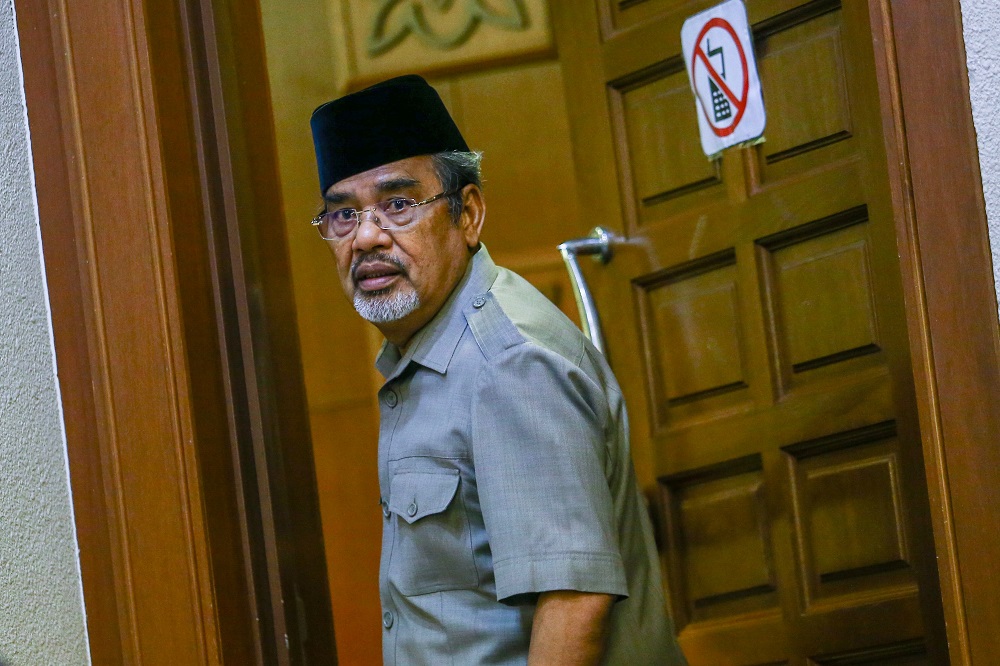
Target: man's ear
point(473, 215)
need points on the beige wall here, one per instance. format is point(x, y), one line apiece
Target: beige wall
point(981, 23)
point(41, 602)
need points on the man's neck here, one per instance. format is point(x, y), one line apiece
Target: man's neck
point(403, 332)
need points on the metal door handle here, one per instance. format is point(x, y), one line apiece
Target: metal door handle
point(597, 244)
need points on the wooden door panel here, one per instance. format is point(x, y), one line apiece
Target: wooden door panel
point(819, 313)
point(650, 40)
point(874, 642)
point(619, 15)
point(694, 341)
point(763, 306)
point(802, 69)
point(848, 508)
point(722, 562)
point(639, 18)
point(699, 225)
point(653, 126)
point(857, 404)
point(666, 160)
point(819, 297)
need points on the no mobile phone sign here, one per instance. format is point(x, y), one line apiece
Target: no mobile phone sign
point(718, 52)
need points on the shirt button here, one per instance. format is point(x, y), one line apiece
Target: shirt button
point(387, 619)
point(391, 398)
point(412, 509)
point(479, 302)
point(385, 508)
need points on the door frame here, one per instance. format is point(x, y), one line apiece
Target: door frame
point(951, 314)
point(155, 117)
point(174, 327)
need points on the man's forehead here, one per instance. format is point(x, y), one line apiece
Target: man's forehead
point(395, 175)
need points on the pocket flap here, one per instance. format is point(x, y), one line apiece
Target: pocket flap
point(413, 495)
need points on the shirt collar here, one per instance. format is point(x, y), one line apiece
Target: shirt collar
point(434, 345)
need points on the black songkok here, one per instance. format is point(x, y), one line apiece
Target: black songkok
point(390, 121)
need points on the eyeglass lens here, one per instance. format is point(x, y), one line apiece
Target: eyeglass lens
point(391, 213)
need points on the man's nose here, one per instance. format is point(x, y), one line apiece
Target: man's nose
point(369, 233)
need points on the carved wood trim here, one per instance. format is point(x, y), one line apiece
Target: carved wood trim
point(378, 41)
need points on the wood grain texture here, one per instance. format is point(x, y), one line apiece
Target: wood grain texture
point(245, 272)
point(154, 196)
point(768, 313)
point(951, 305)
point(70, 302)
point(155, 563)
point(125, 325)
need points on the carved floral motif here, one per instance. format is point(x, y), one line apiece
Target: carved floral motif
point(417, 17)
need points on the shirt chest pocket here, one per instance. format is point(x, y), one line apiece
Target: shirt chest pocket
point(432, 550)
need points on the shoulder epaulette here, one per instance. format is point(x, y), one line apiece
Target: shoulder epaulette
point(492, 328)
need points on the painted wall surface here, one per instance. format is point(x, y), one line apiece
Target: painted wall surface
point(981, 23)
point(41, 603)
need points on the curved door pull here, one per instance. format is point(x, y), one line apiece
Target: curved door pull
point(597, 244)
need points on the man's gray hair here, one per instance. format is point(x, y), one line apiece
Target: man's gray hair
point(455, 170)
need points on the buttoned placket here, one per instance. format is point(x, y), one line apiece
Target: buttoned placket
point(431, 348)
point(390, 409)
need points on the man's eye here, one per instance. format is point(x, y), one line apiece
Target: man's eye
point(395, 205)
point(342, 215)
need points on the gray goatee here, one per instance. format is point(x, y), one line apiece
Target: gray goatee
point(379, 308)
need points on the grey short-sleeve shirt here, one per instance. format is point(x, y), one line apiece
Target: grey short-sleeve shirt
point(504, 471)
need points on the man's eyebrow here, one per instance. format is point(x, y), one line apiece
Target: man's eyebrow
point(335, 197)
point(396, 184)
point(391, 185)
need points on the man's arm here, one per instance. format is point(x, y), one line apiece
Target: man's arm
point(569, 628)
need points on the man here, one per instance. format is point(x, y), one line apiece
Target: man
point(513, 528)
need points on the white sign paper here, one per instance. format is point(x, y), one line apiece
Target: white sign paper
point(721, 66)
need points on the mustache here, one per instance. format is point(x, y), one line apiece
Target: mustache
point(376, 257)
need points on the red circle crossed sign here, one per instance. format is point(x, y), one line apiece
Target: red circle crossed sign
point(740, 102)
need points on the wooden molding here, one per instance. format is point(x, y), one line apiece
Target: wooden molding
point(175, 339)
point(129, 418)
point(950, 304)
point(71, 302)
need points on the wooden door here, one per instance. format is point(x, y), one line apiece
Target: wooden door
point(754, 317)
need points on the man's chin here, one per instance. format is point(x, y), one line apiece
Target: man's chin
point(385, 305)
